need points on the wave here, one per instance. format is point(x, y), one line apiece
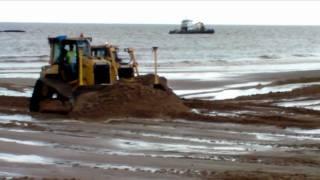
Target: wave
point(17, 59)
point(24, 56)
point(269, 57)
point(224, 63)
point(303, 55)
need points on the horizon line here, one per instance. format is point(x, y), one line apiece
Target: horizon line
point(110, 23)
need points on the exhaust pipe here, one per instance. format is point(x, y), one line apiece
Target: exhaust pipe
point(156, 83)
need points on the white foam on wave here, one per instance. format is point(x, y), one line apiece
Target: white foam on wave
point(226, 72)
point(247, 67)
point(202, 76)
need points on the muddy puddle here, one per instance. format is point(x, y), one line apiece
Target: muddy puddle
point(27, 92)
point(241, 90)
point(309, 104)
point(177, 148)
point(29, 159)
point(9, 175)
point(304, 131)
point(247, 85)
point(25, 142)
point(16, 117)
point(18, 122)
point(109, 166)
point(19, 75)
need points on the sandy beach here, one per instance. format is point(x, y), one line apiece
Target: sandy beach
point(264, 136)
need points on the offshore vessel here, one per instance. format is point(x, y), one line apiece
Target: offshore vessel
point(188, 27)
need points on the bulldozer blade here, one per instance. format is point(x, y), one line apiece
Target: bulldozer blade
point(55, 106)
point(159, 86)
point(61, 87)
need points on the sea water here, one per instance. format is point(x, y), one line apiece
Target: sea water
point(231, 51)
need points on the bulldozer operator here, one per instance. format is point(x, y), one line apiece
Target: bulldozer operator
point(68, 62)
point(71, 59)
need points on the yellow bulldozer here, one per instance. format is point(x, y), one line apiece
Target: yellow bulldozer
point(76, 66)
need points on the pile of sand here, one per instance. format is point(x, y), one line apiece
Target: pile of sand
point(136, 98)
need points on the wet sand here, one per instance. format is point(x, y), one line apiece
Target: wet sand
point(248, 137)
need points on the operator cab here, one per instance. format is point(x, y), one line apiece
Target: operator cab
point(111, 53)
point(65, 53)
point(106, 52)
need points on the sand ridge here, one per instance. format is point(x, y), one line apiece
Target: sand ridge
point(138, 98)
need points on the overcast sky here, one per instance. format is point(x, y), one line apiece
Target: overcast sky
point(163, 12)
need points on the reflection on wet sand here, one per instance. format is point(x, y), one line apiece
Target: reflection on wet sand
point(29, 159)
